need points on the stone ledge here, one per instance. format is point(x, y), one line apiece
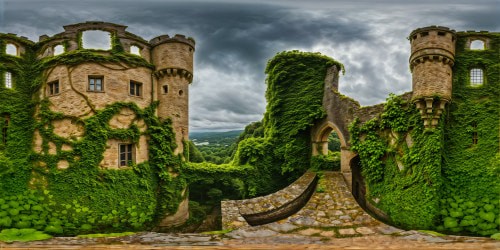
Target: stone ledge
point(269, 208)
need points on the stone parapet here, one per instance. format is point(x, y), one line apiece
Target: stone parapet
point(269, 208)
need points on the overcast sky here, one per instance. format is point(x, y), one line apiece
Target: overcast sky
point(235, 39)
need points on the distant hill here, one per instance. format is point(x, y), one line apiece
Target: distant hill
point(222, 138)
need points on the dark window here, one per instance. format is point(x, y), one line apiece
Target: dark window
point(424, 34)
point(474, 133)
point(96, 83)
point(53, 87)
point(181, 92)
point(165, 89)
point(8, 80)
point(135, 88)
point(440, 33)
point(126, 154)
point(5, 128)
point(476, 77)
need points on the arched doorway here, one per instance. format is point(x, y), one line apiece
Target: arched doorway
point(320, 137)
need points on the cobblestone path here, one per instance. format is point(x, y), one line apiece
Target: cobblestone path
point(332, 211)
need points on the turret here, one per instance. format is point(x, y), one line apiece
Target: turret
point(173, 58)
point(431, 61)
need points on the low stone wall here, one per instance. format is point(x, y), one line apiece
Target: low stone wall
point(269, 208)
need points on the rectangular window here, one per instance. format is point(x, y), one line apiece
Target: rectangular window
point(5, 128)
point(8, 80)
point(53, 88)
point(126, 154)
point(96, 83)
point(135, 88)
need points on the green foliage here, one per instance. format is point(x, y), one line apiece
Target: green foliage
point(23, 235)
point(471, 171)
point(86, 236)
point(330, 162)
point(409, 195)
point(295, 82)
point(194, 153)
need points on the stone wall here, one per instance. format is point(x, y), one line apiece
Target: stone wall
point(269, 208)
point(75, 99)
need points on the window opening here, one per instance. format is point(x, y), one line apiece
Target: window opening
point(126, 154)
point(5, 129)
point(474, 133)
point(181, 92)
point(53, 87)
point(476, 77)
point(477, 45)
point(8, 80)
point(440, 33)
point(135, 50)
point(424, 34)
point(11, 49)
point(59, 49)
point(96, 83)
point(135, 88)
point(165, 89)
point(96, 39)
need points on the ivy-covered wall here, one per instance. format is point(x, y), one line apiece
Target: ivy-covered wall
point(440, 178)
point(83, 198)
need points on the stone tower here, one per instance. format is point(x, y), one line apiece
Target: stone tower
point(431, 61)
point(173, 58)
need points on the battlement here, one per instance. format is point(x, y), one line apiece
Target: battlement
point(176, 39)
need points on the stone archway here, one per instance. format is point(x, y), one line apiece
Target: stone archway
point(320, 143)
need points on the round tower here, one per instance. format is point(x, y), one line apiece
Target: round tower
point(173, 58)
point(431, 61)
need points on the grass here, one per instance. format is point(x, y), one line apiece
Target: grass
point(105, 235)
point(431, 233)
point(23, 235)
point(218, 232)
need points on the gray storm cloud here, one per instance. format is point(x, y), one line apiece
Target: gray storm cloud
point(235, 39)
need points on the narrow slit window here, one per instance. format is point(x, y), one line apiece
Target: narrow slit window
point(126, 154)
point(476, 77)
point(11, 49)
point(135, 88)
point(165, 89)
point(8, 80)
point(5, 129)
point(96, 83)
point(53, 88)
point(474, 134)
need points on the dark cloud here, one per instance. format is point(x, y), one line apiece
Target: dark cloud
point(235, 39)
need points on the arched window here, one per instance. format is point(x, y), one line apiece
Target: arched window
point(477, 45)
point(11, 49)
point(135, 50)
point(59, 49)
point(476, 77)
point(474, 133)
point(8, 80)
point(96, 39)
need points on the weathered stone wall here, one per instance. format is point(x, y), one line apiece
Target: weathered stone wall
point(173, 58)
point(74, 97)
point(432, 55)
point(269, 208)
point(111, 154)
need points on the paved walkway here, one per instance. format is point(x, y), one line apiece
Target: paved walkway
point(330, 220)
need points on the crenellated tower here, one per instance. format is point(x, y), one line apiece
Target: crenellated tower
point(431, 61)
point(173, 58)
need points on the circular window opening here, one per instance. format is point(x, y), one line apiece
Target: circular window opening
point(181, 92)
